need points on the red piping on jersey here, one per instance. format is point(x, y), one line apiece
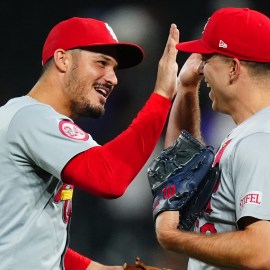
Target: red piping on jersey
point(220, 152)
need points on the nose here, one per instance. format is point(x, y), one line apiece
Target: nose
point(111, 77)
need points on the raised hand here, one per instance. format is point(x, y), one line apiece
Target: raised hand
point(166, 83)
point(191, 72)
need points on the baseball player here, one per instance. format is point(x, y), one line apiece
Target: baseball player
point(233, 56)
point(44, 154)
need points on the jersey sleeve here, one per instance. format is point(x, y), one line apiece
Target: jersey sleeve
point(75, 261)
point(106, 171)
point(251, 176)
point(47, 139)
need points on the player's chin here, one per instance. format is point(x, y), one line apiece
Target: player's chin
point(211, 95)
point(92, 111)
point(214, 106)
point(212, 98)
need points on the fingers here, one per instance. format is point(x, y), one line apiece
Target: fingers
point(191, 72)
point(173, 39)
point(198, 63)
point(168, 68)
point(174, 35)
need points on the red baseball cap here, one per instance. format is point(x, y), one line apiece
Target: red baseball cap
point(87, 32)
point(236, 32)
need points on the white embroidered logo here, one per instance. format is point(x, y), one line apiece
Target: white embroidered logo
point(222, 44)
point(252, 197)
point(111, 32)
point(205, 25)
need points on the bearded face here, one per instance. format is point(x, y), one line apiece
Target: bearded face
point(89, 83)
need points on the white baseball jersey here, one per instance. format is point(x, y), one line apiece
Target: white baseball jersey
point(244, 188)
point(35, 206)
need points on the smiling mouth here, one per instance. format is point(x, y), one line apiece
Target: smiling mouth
point(103, 92)
point(103, 89)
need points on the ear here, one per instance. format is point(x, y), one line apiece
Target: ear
point(62, 59)
point(235, 69)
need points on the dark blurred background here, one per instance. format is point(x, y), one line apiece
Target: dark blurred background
point(113, 231)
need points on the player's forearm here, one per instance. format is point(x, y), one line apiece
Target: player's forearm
point(185, 114)
point(107, 170)
point(98, 266)
point(126, 154)
point(248, 249)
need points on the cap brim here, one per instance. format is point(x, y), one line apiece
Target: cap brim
point(126, 54)
point(194, 46)
point(129, 55)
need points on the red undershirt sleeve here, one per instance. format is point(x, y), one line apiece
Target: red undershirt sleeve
point(106, 171)
point(75, 261)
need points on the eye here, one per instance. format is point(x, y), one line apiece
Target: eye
point(102, 63)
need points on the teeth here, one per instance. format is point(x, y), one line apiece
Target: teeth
point(102, 91)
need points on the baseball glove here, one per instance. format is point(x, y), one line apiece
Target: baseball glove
point(139, 265)
point(182, 179)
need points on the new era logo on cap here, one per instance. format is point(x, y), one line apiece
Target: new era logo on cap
point(222, 44)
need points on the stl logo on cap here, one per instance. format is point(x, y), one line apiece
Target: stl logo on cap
point(111, 32)
point(205, 25)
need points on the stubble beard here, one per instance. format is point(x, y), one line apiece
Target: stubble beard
point(87, 110)
point(80, 106)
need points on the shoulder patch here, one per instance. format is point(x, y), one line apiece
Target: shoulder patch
point(70, 130)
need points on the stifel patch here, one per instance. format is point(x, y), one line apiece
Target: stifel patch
point(252, 197)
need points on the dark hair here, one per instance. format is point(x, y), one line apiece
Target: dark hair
point(257, 68)
point(46, 66)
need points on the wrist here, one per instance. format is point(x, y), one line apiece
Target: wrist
point(191, 86)
point(164, 94)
